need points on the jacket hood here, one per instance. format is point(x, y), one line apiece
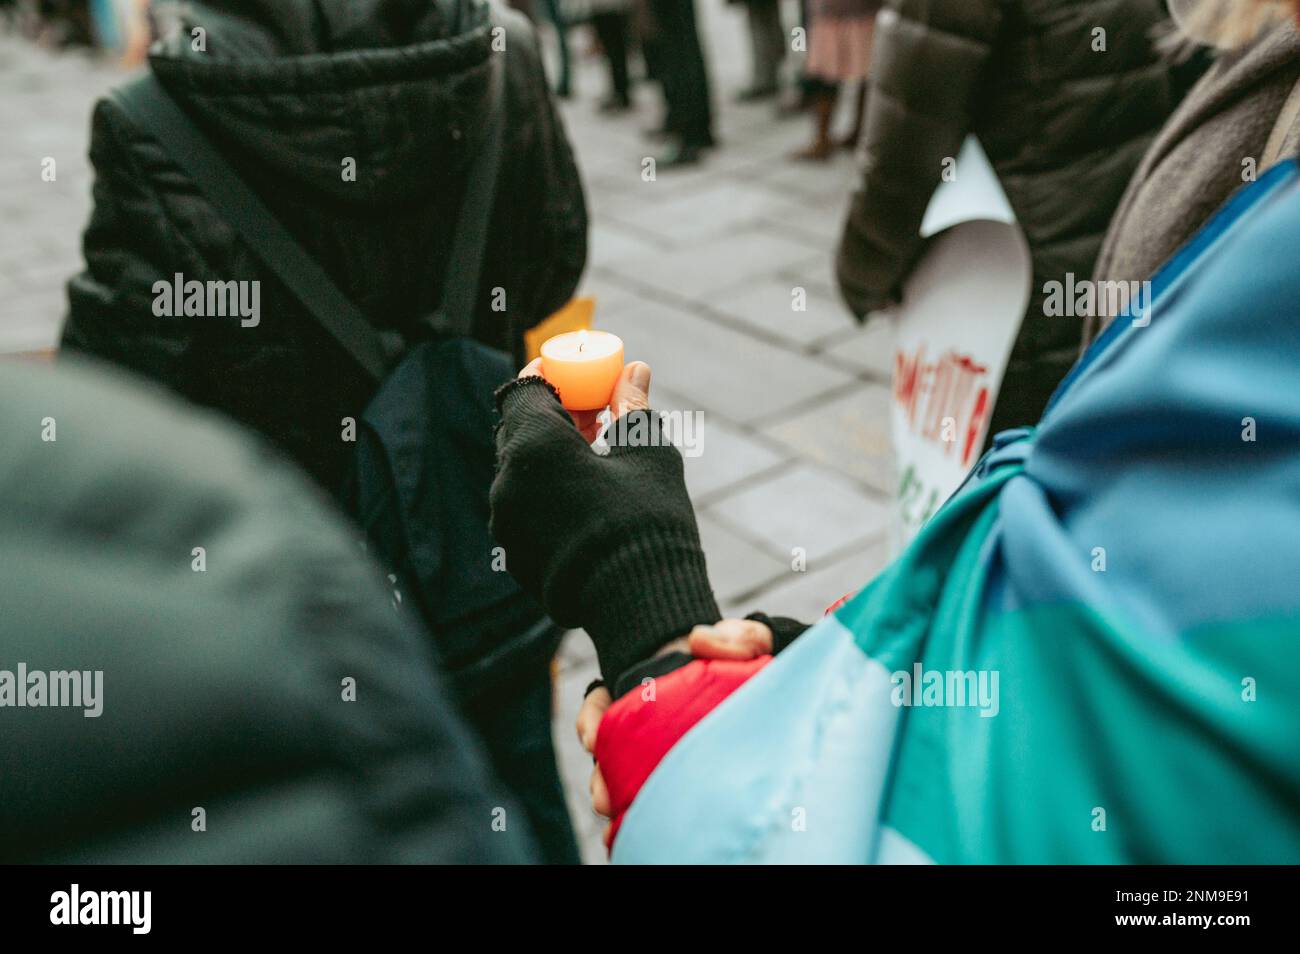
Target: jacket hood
point(296, 88)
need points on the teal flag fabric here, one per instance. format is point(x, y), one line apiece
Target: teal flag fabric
point(1091, 654)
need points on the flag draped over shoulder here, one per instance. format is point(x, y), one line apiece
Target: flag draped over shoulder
point(1091, 654)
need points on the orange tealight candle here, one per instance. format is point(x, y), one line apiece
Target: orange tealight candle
point(584, 367)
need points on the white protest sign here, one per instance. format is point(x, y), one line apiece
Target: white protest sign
point(961, 308)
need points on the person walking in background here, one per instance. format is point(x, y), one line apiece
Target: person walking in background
point(767, 44)
point(555, 13)
point(136, 34)
point(1065, 97)
point(840, 36)
point(612, 21)
point(678, 64)
point(376, 203)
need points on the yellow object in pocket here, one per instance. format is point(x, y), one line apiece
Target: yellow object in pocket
point(576, 315)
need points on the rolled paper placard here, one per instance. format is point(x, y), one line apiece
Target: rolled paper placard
point(584, 367)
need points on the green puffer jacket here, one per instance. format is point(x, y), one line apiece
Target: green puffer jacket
point(1063, 121)
point(223, 668)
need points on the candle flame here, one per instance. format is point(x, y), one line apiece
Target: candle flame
point(582, 340)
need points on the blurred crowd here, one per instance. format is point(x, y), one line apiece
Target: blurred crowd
point(120, 26)
point(830, 40)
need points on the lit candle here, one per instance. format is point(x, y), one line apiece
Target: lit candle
point(584, 367)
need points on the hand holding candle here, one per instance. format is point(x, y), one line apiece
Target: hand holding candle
point(583, 366)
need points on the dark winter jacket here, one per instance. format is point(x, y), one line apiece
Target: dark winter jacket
point(261, 698)
point(354, 121)
point(1063, 120)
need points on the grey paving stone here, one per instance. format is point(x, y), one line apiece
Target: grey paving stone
point(609, 243)
point(870, 348)
point(575, 650)
point(728, 456)
point(609, 136)
point(805, 507)
point(817, 227)
point(573, 761)
point(750, 145)
point(736, 566)
point(717, 369)
point(30, 321)
point(726, 263)
point(49, 273)
point(805, 596)
point(753, 141)
point(611, 299)
point(814, 180)
point(614, 182)
point(849, 434)
point(816, 273)
point(768, 306)
point(714, 214)
point(622, 177)
point(721, 454)
point(45, 111)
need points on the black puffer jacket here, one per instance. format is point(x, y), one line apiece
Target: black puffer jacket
point(291, 90)
point(1064, 125)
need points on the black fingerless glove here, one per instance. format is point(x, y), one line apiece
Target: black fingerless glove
point(784, 632)
point(784, 629)
point(607, 543)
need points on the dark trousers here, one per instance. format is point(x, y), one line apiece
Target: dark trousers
point(679, 65)
point(612, 28)
point(515, 727)
point(555, 15)
point(766, 41)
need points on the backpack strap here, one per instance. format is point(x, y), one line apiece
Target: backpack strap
point(455, 314)
point(150, 108)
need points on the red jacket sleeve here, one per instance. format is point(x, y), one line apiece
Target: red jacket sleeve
point(640, 728)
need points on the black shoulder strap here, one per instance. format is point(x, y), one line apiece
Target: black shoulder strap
point(153, 110)
point(455, 315)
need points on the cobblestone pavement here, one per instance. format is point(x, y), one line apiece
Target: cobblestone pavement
point(44, 114)
point(696, 270)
